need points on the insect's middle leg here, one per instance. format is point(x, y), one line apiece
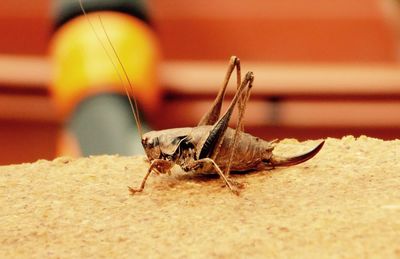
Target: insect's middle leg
point(210, 162)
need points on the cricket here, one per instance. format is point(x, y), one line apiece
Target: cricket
point(211, 146)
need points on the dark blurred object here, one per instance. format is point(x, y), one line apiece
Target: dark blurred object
point(65, 10)
point(103, 123)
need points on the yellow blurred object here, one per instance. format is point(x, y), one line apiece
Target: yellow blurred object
point(82, 67)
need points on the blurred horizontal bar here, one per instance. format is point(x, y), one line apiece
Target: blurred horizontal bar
point(294, 113)
point(24, 72)
point(287, 80)
point(28, 108)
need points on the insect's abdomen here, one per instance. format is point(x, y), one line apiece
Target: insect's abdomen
point(250, 153)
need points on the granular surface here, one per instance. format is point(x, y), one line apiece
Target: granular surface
point(343, 203)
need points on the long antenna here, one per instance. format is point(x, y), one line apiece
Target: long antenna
point(135, 109)
point(132, 100)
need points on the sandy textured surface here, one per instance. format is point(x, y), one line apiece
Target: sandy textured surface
point(344, 203)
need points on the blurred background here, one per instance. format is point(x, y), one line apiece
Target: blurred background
point(322, 69)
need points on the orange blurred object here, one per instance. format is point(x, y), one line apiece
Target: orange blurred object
point(82, 67)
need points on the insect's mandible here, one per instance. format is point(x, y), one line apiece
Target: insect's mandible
point(212, 146)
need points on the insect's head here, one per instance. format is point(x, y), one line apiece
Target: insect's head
point(166, 144)
point(151, 146)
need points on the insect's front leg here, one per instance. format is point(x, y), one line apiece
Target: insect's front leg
point(158, 166)
point(196, 164)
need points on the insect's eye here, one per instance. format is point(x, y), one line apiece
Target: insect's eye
point(145, 142)
point(149, 143)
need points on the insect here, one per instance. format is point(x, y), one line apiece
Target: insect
point(212, 146)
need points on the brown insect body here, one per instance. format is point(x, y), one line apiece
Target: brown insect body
point(182, 147)
point(214, 147)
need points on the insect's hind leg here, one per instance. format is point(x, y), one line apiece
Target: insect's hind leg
point(239, 126)
point(211, 116)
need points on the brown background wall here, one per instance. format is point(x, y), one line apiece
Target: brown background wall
point(288, 44)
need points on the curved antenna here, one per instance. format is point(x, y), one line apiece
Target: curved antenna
point(132, 100)
point(134, 105)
